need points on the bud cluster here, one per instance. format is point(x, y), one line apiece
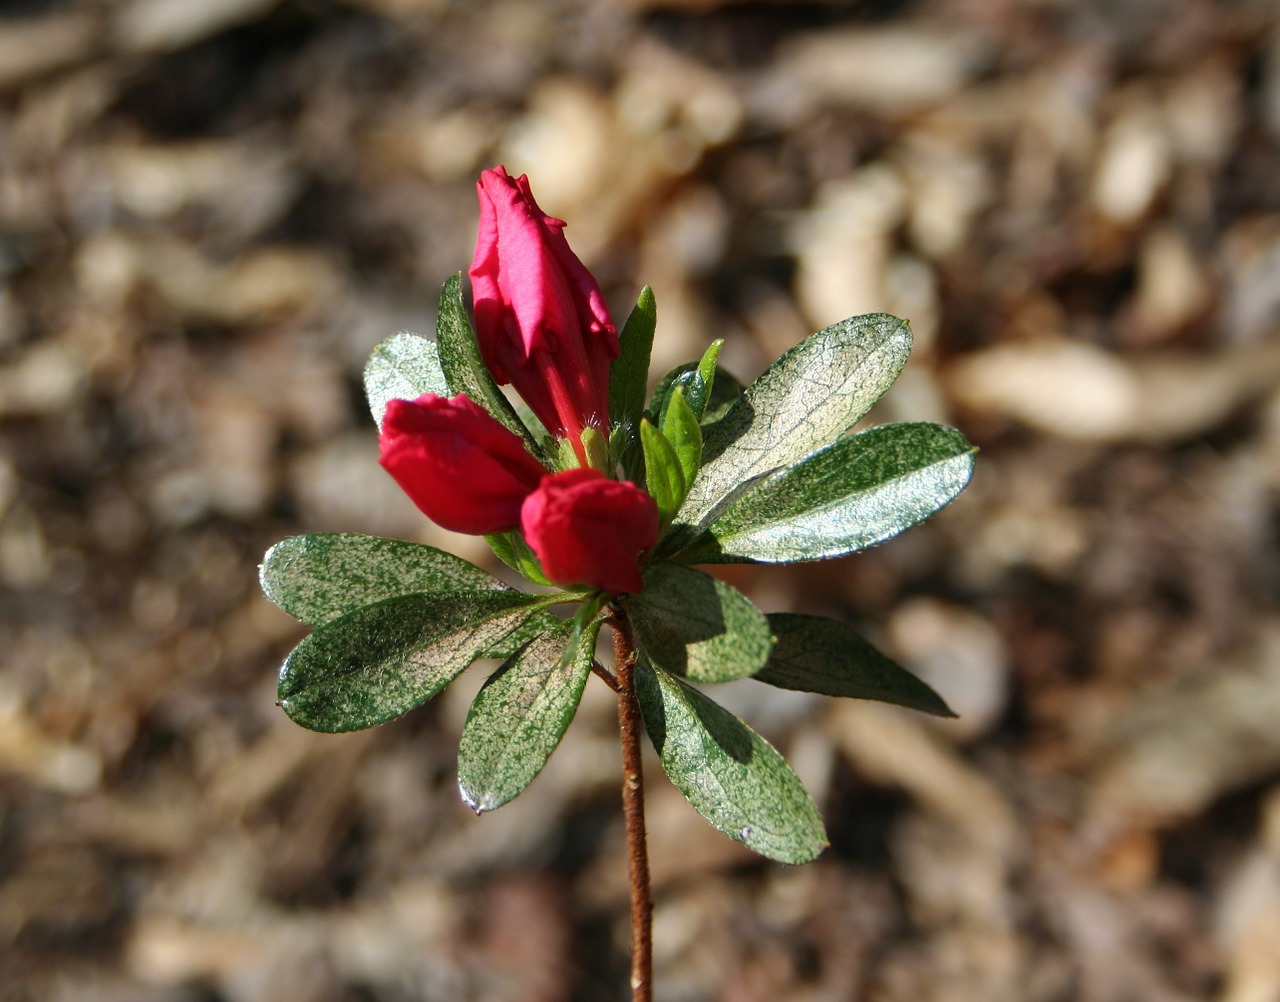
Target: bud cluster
point(543, 327)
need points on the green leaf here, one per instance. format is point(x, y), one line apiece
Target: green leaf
point(680, 428)
point(403, 367)
point(707, 367)
point(724, 391)
point(323, 576)
point(464, 367)
point(696, 379)
point(697, 626)
point(859, 491)
point(663, 477)
point(629, 374)
point(519, 717)
point(584, 620)
point(733, 777)
point(384, 659)
point(816, 654)
point(809, 397)
point(512, 550)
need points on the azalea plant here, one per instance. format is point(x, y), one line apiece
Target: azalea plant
point(607, 496)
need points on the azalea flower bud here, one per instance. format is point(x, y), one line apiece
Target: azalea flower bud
point(541, 319)
point(464, 470)
point(589, 530)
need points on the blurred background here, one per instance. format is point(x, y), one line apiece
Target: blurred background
point(211, 210)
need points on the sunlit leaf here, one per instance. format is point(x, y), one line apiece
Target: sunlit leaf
point(807, 399)
point(403, 367)
point(325, 575)
point(858, 491)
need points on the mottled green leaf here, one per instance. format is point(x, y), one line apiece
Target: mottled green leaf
point(384, 659)
point(325, 575)
point(816, 654)
point(464, 367)
point(403, 367)
point(809, 397)
point(663, 477)
point(732, 776)
point(518, 718)
point(697, 626)
point(629, 374)
point(858, 491)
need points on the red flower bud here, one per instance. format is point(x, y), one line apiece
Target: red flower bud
point(587, 529)
point(457, 463)
point(541, 319)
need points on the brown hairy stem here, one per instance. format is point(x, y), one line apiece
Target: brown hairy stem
point(606, 676)
point(630, 725)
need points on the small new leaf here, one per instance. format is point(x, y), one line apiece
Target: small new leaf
point(629, 374)
point(715, 398)
point(730, 774)
point(816, 654)
point(697, 626)
point(663, 476)
point(707, 367)
point(680, 428)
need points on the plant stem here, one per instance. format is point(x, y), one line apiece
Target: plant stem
point(630, 725)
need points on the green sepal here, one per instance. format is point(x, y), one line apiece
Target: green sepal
point(384, 659)
point(596, 446)
point(464, 367)
point(729, 774)
point(402, 367)
point(698, 626)
point(856, 492)
point(817, 654)
point(663, 476)
point(680, 428)
point(519, 716)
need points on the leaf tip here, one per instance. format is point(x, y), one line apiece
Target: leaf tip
point(476, 804)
